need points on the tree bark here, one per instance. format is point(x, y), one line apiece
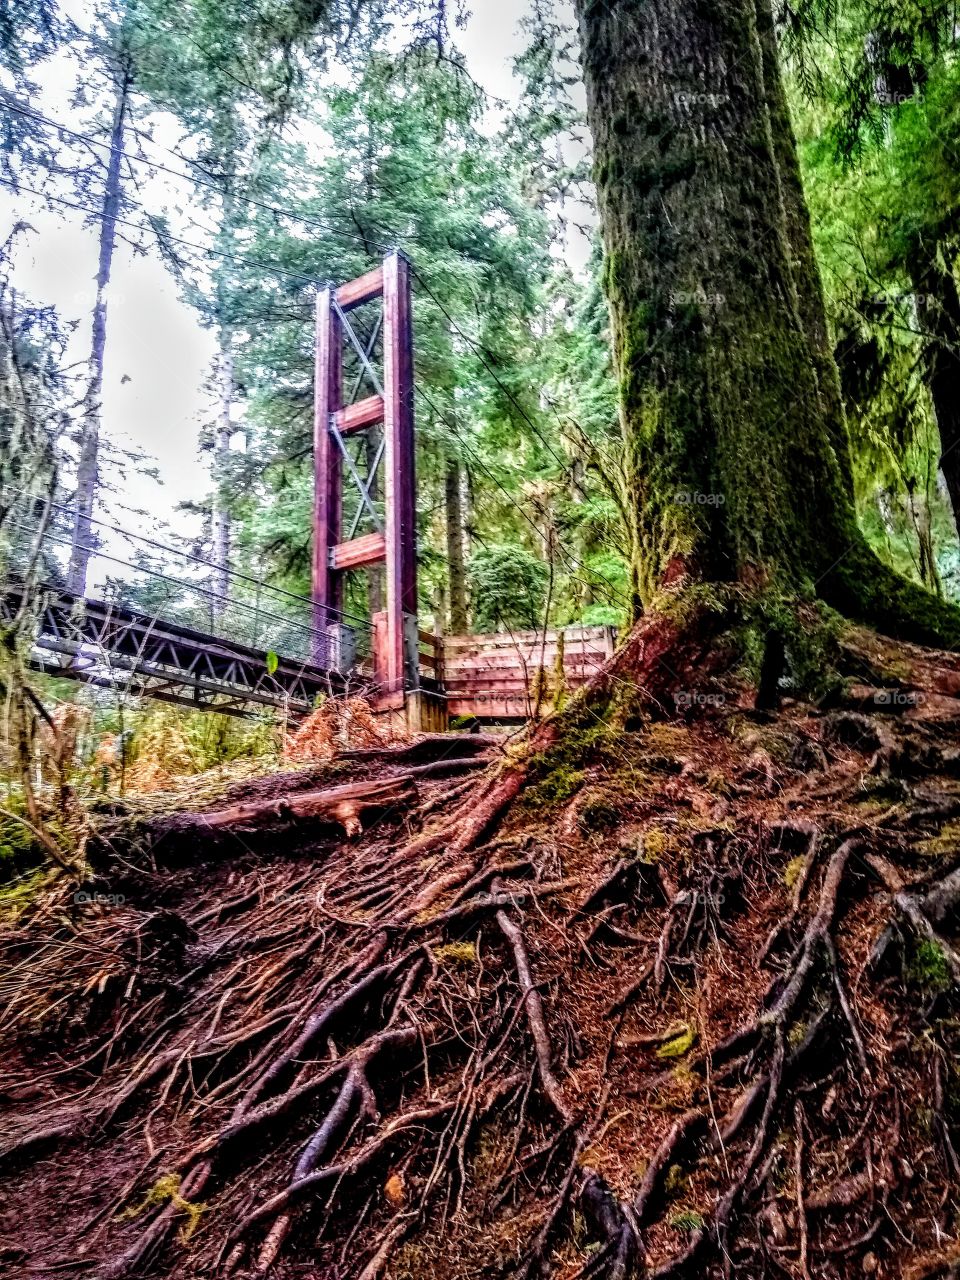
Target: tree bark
point(737, 452)
point(456, 570)
point(219, 509)
point(305, 815)
point(226, 134)
point(88, 463)
point(938, 314)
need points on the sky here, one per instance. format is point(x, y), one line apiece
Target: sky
point(158, 356)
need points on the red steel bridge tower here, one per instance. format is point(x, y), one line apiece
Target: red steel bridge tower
point(387, 413)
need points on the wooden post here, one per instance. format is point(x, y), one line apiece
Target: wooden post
point(327, 494)
point(379, 649)
point(400, 488)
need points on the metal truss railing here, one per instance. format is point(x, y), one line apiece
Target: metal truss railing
point(110, 646)
point(159, 627)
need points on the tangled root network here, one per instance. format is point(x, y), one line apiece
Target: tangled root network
point(686, 1008)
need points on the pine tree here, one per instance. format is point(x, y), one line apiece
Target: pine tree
point(118, 61)
point(91, 159)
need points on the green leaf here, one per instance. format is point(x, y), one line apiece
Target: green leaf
point(679, 1044)
point(272, 663)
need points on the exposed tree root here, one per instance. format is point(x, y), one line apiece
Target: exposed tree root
point(534, 1014)
point(711, 1033)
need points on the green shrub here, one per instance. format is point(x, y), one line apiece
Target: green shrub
point(508, 588)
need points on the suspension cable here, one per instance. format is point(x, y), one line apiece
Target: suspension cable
point(186, 555)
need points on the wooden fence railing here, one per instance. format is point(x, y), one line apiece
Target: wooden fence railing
point(508, 675)
point(430, 652)
point(513, 675)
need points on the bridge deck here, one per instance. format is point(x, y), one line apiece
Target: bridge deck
point(117, 647)
point(113, 646)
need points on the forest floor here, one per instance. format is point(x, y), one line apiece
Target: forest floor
point(690, 1008)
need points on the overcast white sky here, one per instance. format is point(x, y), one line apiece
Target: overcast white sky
point(158, 356)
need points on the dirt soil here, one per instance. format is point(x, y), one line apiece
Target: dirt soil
point(690, 1009)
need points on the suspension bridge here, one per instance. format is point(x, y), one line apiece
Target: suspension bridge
point(245, 643)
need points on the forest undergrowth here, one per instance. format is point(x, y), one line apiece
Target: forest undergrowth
point(687, 1006)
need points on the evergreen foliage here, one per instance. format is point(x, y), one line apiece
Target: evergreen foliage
point(312, 140)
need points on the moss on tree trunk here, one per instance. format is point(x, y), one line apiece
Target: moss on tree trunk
point(938, 302)
point(737, 448)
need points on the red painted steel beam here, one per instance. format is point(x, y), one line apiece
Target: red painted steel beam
point(394, 667)
point(400, 488)
point(362, 414)
point(356, 292)
point(370, 549)
point(327, 496)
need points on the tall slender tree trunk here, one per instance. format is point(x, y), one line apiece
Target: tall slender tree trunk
point(922, 527)
point(456, 568)
point(938, 314)
point(220, 521)
point(737, 453)
point(578, 495)
point(223, 432)
point(88, 463)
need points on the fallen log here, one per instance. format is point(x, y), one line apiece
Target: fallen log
point(284, 819)
point(343, 806)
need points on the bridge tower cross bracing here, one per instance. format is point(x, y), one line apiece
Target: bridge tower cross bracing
point(393, 540)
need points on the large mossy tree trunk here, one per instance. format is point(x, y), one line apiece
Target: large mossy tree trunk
point(738, 457)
